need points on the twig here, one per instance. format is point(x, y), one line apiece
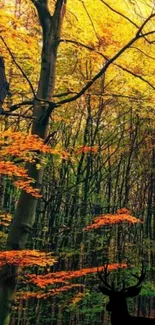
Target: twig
point(107, 64)
point(18, 66)
point(16, 106)
point(119, 13)
point(16, 115)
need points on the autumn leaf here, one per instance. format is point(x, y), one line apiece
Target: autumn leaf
point(25, 147)
point(44, 295)
point(5, 219)
point(77, 298)
point(63, 276)
point(86, 149)
point(25, 258)
point(122, 215)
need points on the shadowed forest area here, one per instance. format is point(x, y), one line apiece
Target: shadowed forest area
point(77, 158)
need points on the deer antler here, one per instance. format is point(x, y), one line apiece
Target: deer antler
point(103, 275)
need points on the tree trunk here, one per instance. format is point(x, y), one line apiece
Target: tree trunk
point(26, 207)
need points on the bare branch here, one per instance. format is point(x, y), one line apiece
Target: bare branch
point(51, 135)
point(83, 45)
point(106, 58)
point(6, 113)
point(51, 104)
point(18, 66)
point(144, 23)
point(135, 75)
point(64, 94)
point(141, 51)
point(119, 13)
point(16, 106)
point(85, 8)
point(108, 63)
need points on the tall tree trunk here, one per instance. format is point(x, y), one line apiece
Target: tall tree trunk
point(26, 207)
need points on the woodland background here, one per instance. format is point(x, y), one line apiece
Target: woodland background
point(100, 159)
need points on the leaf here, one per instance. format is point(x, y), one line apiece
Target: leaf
point(122, 215)
point(63, 276)
point(25, 258)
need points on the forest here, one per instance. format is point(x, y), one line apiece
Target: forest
point(77, 159)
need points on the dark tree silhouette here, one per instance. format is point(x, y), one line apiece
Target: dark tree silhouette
point(4, 86)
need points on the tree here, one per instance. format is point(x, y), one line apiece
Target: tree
point(4, 86)
point(43, 106)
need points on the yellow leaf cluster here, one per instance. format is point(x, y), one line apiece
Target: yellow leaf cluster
point(45, 295)
point(5, 219)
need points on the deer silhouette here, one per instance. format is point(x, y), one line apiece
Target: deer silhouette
point(117, 300)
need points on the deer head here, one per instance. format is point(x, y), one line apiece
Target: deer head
point(117, 299)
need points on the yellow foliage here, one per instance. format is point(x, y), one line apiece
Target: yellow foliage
point(5, 219)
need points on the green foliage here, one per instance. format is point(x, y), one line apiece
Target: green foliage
point(3, 239)
point(148, 289)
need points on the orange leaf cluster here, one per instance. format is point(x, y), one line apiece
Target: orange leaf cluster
point(5, 219)
point(26, 258)
point(59, 277)
point(26, 147)
point(25, 185)
point(21, 145)
point(45, 295)
point(122, 215)
point(60, 152)
point(77, 298)
point(86, 149)
point(10, 169)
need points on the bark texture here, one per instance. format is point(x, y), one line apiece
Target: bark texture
point(26, 207)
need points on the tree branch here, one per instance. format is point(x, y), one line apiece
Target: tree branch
point(18, 66)
point(6, 113)
point(43, 14)
point(16, 106)
point(59, 6)
point(141, 51)
point(59, 11)
point(91, 21)
point(108, 63)
point(51, 104)
point(135, 75)
point(119, 13)
point(83, 45)
point(106, 58)
point(144, 23)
